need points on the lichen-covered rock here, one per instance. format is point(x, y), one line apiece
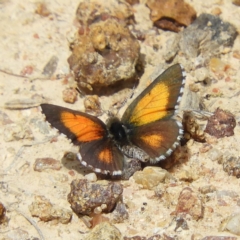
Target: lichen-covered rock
point(92, 11)
point(171, 15)
point(231, 165)
point(104, 231)
point(104, 54)
point(86, 197)
point(46, 211)
point(216, 34)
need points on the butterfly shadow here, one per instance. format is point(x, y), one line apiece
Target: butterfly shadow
point(111, 89)
point(179, 156)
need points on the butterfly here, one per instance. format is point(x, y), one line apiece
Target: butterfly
point(147, 130)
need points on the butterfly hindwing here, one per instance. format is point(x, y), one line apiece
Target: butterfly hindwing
point(102, 156)
point(158, 100)
point(157, 139)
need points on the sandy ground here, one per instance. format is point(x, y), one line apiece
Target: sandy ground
point(28, 39)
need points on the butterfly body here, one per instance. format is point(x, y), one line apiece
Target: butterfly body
point(147, 130)
point(118, 130)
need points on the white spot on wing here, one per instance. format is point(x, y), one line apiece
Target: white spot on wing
point(117, 173)
point(169, 152)
point(79, 156)
point(97, 170)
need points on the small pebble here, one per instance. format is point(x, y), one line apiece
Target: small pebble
point(120, 213)
point(3, 218)
point(42, 164)
point(150, 177)
point(201, 74)
point(42, 208)
point(190, 203)
point(214, 154)
point(221, 124)
point(17, 131)
point(236, 2)
point(207, 189)
point(86, 196)
point(104, 231)
point(171, 14)
point(217, 65)
point(97, 210)
point(42, 9)
point(69, 95)
point(91, 177)
point(236, 54)
point(92, 105)
point(50, 67)
point(231, 165)
point(216, 11)
point(4, 118)
point(233, 224)
point(226, 193)
point(187, 175)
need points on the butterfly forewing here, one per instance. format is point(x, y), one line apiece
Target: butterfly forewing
point(78, 126)
point(158, 100)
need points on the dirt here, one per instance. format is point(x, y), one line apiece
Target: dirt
point(29, 40)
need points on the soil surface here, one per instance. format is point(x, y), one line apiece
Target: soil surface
point(28, 41)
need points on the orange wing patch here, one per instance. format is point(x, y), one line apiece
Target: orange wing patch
point(105, 156)
point(151, 107)
point(153, 140)
point(84, 128)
